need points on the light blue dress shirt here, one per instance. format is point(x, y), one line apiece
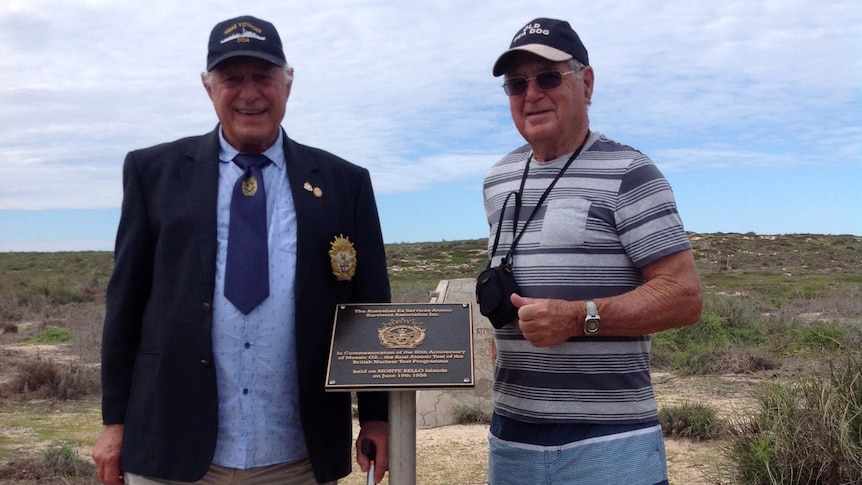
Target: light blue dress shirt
point(255, 354)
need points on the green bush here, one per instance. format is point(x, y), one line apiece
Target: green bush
point(717, 344)
point(695, 421)
point(707, 359)
point(732, 337)
point(53, 465)
point(823, 339)
point(64, 460)
point(53, 336)
point(806, 432)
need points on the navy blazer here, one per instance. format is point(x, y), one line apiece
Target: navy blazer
point(158, 377)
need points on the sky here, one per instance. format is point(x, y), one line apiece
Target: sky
point(751, 109)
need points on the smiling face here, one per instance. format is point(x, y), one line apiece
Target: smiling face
point(249, 96)
point(554, 122)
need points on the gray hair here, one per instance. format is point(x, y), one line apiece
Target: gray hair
point(288, 75)
point(576, 66)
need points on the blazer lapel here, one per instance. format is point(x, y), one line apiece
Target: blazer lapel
point(200, 182)
point(303, 175)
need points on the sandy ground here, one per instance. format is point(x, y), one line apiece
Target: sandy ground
point(457, 454)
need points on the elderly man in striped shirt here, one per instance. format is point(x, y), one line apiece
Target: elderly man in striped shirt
point(601, 260)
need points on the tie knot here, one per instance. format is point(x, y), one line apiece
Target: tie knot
point(246, 160)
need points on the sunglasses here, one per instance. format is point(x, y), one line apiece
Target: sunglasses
point(516, 86)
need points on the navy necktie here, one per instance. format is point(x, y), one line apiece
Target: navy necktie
point(247, 270)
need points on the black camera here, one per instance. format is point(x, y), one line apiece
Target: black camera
point(494, 287)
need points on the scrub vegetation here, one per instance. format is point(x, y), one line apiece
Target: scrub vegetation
point(772, 369)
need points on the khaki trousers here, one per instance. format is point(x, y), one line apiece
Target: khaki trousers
point(294, 473)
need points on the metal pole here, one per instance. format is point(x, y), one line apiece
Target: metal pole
point(402, 438)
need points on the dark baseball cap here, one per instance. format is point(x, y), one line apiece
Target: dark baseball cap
point(245, 36)
point(551, 39)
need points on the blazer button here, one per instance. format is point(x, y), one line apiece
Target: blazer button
point(204, 363)
point(207, 308)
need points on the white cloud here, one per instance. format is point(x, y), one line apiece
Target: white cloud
point(405, 89)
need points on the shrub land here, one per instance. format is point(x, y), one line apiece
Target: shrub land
point(783, 310)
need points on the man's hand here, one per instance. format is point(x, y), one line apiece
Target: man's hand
point(545, 322)
point(671, 297)
point(378, 433)
point(106, 454)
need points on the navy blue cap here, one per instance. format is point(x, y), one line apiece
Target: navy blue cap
point(245, 36)
point(548, 38)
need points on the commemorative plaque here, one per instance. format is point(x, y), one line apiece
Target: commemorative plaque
point(401, 346)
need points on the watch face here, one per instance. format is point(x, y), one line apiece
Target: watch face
point(591, 326)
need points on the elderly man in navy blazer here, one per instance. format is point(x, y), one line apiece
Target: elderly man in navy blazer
point(232, 252)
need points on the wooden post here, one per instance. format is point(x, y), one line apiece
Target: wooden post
point(402, 438)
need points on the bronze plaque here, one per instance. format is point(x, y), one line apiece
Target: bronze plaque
point(401, 346)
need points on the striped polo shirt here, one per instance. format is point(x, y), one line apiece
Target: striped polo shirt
point(609, 214)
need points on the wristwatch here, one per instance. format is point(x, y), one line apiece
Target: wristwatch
point(592, 322)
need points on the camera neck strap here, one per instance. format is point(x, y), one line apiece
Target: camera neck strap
point(518, 196)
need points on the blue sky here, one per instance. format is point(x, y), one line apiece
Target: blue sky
point(752, 109)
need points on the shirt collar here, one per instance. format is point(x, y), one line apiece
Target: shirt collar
point(275, 152)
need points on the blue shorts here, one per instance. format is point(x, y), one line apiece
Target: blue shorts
point(632, 458)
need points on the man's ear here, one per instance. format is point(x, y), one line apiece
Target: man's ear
point(588, 76)
point(289, 82)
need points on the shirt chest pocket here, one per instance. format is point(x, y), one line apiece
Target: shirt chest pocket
point(565, 222)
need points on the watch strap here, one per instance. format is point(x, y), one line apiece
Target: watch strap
point(592, 310)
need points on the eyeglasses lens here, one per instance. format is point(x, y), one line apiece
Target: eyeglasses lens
point(549, 80)
point(517, 86)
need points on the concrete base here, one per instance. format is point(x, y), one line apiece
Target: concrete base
point(440, 407)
